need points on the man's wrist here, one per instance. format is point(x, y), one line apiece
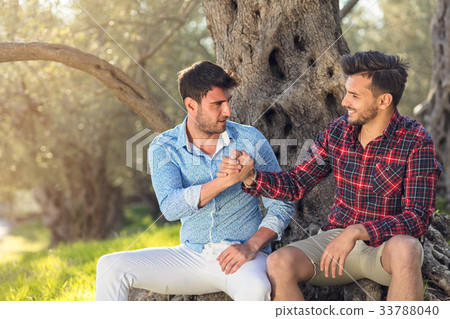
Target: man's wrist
point(248, 182)
point(358, 232)
point(222, 183)
point(253, 245)
point(261, 238)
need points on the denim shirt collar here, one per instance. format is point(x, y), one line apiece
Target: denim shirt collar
point(183, 141)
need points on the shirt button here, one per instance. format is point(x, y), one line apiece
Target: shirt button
point(363, 165)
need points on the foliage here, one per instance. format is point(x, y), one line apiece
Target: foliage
point(54, 120)
point(67, 272)
point(396, 27)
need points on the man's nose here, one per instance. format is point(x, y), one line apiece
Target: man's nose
point(345, 102)
point(226, 109)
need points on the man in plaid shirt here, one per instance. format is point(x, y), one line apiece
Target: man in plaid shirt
point(386, 173)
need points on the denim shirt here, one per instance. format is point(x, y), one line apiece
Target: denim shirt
point(178, 171)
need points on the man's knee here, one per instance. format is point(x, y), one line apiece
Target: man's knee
point(108, 264)
point(289, 263)
point(402, 252)
point(281, 260)
point(256, 289)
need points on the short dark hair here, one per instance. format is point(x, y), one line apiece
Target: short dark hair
point(388, 72)
point(196, 80)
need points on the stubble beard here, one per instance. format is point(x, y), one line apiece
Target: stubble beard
point(207, 126)
point(365, 117)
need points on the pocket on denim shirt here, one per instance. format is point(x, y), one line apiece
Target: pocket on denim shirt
point(387, 179)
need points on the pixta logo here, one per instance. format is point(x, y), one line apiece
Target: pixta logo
point(135, 147)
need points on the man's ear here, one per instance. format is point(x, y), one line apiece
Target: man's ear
point(385, 100)
point(191, 105)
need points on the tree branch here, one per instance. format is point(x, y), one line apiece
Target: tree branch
point(125, 89)
point(348, 7)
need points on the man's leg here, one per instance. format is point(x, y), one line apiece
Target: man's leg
point(402, 258)
point(300, 263)
point(287, 267)
point(167, 270)
point(248, 283)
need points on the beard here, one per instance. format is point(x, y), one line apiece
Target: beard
point(208, 125)
point(365, 116)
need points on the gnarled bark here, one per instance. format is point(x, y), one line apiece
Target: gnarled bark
point(287, 54)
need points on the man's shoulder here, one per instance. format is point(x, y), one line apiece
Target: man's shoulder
point(243, 131)
point(337, 126)
point(339, 122)
point(413, 130)
point(167, 139)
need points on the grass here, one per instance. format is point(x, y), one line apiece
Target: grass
point(30, 271)
point(441, 206)
point(25, 238)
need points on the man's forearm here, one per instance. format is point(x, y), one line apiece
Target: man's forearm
point(261, 238)
point(211, 189)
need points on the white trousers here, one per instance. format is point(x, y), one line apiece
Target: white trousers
point(179, 270)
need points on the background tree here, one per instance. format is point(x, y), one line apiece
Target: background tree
point(435, 114)
point(396, 27)
point(435, 111)
point(63, 132)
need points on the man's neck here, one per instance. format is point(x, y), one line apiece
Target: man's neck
point(375, 127)
point(207, 143)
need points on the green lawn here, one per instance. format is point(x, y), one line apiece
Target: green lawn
point(30, 271)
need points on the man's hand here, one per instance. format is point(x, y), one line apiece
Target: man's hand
point(236, 168)
point(338, 249)
point(230, 164)
point(232, 258)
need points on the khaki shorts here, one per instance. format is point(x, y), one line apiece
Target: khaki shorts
point(362, 262)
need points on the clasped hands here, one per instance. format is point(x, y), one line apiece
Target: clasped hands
point(238, 167)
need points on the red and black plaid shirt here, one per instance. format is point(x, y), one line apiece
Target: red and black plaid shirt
point(389, 187)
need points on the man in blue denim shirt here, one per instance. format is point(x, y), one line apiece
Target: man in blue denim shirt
point(224, 239)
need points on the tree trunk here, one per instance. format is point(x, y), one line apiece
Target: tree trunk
point(287, 54)
point(434, 113)
point(90, 207)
